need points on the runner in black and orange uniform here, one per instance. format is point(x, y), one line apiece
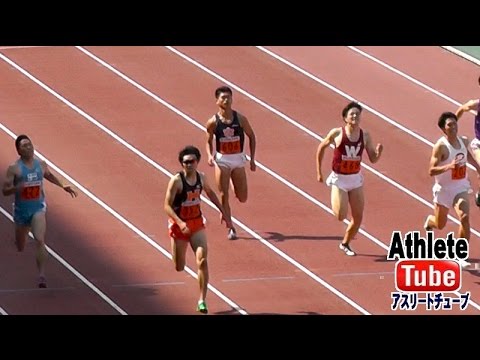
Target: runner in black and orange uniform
point(186, 223)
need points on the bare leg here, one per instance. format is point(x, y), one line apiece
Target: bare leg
point(39, 227)
point(339, 200)
point(438, 220)
point(199, 247)
point(239, 180)
point(179, 251)
point(222, 178)
point(462, 208)
point(21, 235)
point(357, 203)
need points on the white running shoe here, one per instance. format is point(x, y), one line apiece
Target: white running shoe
point(425, 225)
point(463, 263)
point(232, 235)
point(347, 250)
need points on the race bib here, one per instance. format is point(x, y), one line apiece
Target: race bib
point(349, 166)
point(190, 212)
point(230, 146)
point(459, 172)
point(31, 192)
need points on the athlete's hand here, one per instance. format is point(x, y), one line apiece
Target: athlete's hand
point(379, 149)
point(184, 228)
point(320, 177)
point(253, 165)
point(210, 160)
point(68, 188)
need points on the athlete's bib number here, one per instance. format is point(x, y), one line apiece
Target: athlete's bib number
point(349, 167)
point(230, 147)
point(190, 212)
point(459, 172)
point(30, 193)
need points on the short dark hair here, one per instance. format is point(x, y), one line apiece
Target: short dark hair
point(222, 89)
point(350, 105)
point(19, 139)
point(189, 150)
point(444, 117)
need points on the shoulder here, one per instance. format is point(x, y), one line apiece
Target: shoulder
point(201, 176)
point(13, 168)
point(176, 179)
point(440, 146)
point(333, 133)
point(211, 122)
point(241, 118)
point(465, 140)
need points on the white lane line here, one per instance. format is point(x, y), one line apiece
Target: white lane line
point(169, 174)
point(125, 222)
point(14, 291)
point(316, 136)
point(162, 283)
point(384, 117)
point(462, 54)
point(65, 263)
point(260, 165)
point(260, 279)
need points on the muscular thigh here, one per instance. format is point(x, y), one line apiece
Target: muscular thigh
point(239, 180)
point(199, 239)
point(39, 225)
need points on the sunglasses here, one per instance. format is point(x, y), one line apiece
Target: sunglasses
point(186, 162)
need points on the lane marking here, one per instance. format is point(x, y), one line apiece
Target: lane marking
point(66, 264)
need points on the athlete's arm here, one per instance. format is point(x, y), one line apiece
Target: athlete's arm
point(214, 198)
point(469, 105)
point(252, 140)
point(209, 145)
point(48, 175)
point(329, 139)
point(8, 187)
point(174, 187)
point(373, 153)
point(470, 157)
point(438, 154)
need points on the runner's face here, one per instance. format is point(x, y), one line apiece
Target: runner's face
point(353, 116)
point(224, 100)
point(25, 148)
point(189, 162)
point(451, 127)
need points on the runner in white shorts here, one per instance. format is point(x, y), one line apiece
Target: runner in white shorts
point(448, 164)
point(229, 129)
point(346, 179)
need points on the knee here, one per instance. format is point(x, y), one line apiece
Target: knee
point(340, 215)
point(202, 263)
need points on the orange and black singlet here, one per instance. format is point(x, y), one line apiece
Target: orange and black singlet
point(187, 204)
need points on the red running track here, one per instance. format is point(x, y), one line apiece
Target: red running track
point(139, 278)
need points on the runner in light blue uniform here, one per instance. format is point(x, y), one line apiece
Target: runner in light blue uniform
point(29, 197)
point(24, 180)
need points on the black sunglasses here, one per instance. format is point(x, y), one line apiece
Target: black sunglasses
point(186, 162)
